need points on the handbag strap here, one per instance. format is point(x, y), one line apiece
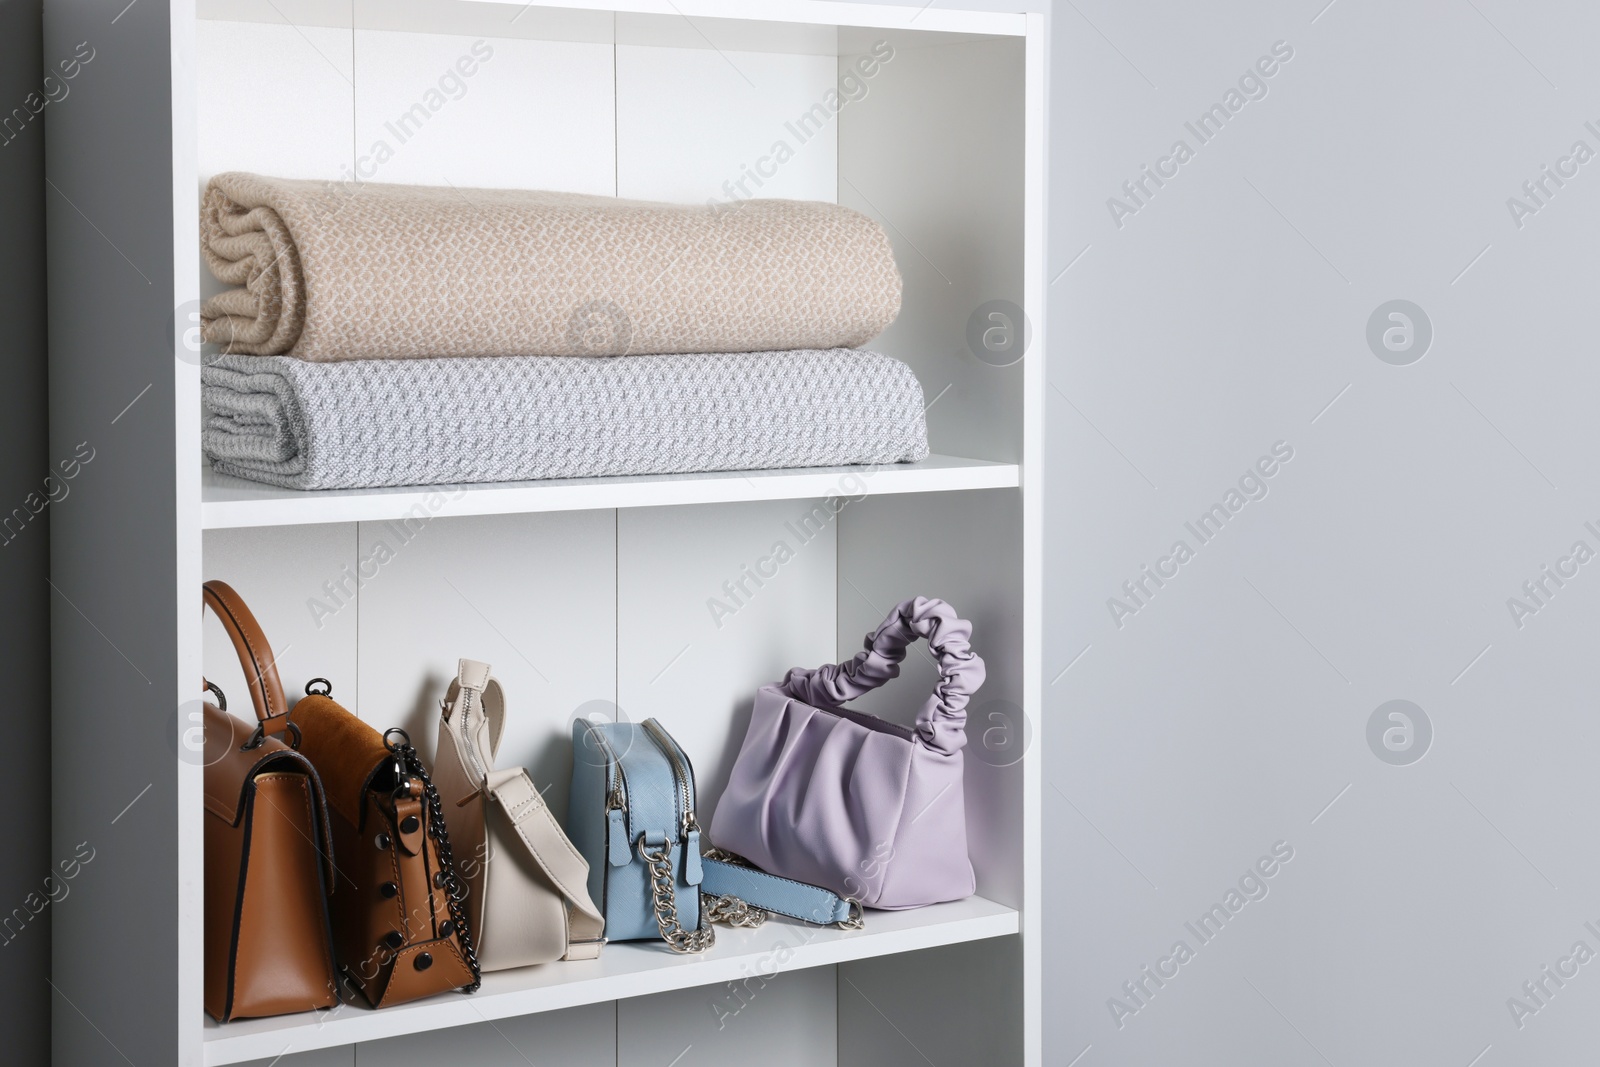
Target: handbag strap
point(942, 721)
point(474, 687)
point(550, 848)
point(727, 875)
point(409, 769)
point(255, 655)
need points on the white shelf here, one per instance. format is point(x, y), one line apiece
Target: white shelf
point(623, 970)
point(910, 16)
point(233, 502)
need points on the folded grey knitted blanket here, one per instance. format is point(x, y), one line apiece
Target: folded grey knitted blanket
point(367, 423)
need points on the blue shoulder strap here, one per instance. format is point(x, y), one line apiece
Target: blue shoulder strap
point(784, 896)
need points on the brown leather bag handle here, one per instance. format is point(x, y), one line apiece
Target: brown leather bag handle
point(255, 655)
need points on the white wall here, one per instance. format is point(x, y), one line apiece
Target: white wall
point(1232, 709)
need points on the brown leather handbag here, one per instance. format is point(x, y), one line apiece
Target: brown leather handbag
point(268, 868)
point(400, 925)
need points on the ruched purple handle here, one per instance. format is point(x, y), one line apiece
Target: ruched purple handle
point(820, 791)
point(942, 722)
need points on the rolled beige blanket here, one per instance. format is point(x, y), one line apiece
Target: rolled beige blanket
point(336, 271)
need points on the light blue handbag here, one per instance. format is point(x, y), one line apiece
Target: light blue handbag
point(631, 814)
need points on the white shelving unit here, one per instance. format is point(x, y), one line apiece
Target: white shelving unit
point(589, 596)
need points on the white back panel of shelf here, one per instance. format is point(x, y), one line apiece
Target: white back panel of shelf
point(934, 152)
point(885, 1018)
point(510, 20)
point(573, 1037)
point(273, 98)
point(776, 1019)
point(345, 1056)
point(530, 115)
point(691, 119)
point(675, 661)
point(280, 571)
point(532, 595)
point(674, 30)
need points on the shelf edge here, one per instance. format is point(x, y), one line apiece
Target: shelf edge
point(360, 1025)
point(329, 506)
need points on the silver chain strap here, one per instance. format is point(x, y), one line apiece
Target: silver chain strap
point(729, 910)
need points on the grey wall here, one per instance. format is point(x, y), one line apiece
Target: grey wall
point(24, 556)
point(1233, 707)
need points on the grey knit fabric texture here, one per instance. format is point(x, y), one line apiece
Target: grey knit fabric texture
point(368, 423)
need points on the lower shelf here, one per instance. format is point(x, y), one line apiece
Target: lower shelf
point(623, 970)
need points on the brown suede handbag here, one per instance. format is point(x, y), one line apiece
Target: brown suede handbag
point(400, 926)
point(268, 866)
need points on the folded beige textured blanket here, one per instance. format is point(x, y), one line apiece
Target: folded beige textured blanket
point(333, 271)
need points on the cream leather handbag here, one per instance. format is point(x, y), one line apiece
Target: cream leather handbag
point(527, 887)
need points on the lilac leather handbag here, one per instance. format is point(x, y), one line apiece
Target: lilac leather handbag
point(832, 796)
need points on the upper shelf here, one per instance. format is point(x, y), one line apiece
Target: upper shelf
point(623, 970)
point(232, 502)
point(818, 27)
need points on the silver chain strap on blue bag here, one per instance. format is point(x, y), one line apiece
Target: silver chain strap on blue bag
point(631, 814)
